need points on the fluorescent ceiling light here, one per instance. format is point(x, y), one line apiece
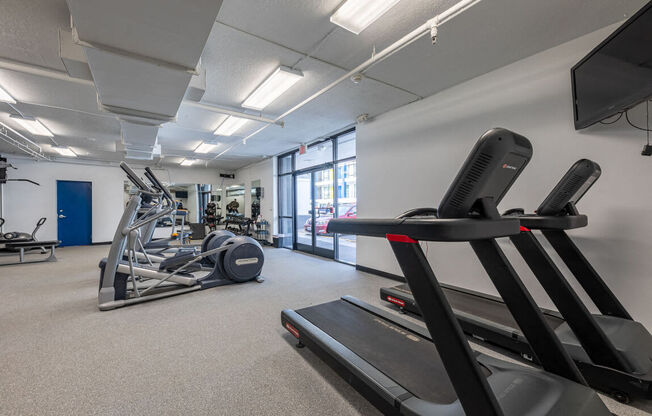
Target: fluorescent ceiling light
point(187, 162)
point(6, 97)
point(64, 151)
point(356, 15)
point(272, 88)
point(205, 147)
point(230, 126)
point(32, 125)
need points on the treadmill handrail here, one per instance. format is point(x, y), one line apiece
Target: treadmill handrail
point(548, 222)
point(428, 229)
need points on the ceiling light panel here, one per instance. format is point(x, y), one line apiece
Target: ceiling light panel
point(206, 148)
point(64, 151)
point(5, 97)
point(187, 162)
point(356, 15)
point(33, 126)
point(281, 80)
point(230, 126)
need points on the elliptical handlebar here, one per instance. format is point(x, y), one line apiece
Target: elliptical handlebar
point(133, 177)
point(156, 182)
point(39, 223)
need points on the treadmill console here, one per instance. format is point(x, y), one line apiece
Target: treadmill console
point(491, 168)
point(572, 186)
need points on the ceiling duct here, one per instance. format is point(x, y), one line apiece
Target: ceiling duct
point(142, 55)
point(73, 57)
point(197, 86)
point(138, 154)
point(138, 135)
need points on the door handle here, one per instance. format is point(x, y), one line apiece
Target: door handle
point(62, 216)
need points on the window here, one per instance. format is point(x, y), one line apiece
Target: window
point(329, 168)
point(346, 146)
point(285, 164)
point(317, 154)
point(285, 203)
point(346, 208)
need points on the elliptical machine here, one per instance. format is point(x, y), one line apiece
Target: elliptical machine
point(124, 281)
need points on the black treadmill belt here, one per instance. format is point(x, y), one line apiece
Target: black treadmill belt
point(492, 310)
point(405, 357)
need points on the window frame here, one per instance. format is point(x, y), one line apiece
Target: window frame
point(332, 164)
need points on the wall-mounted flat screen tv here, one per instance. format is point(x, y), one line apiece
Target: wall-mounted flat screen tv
point(617, 74)
point(181, 194)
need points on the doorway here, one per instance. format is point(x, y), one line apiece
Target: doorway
point(74, 213)
point(314, 209)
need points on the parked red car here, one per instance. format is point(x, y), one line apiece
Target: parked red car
point(322, 221)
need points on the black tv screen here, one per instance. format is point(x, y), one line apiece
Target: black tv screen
point(181, 194)
point(617, 74)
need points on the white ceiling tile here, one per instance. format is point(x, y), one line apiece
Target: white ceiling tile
point(298, 24)
point(256, 36)
point(29, 31)
point(493, 34)
point(236, 63)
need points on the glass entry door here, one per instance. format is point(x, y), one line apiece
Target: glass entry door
point(314, 209)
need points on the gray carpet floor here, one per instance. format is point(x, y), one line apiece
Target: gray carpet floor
point(215, 352)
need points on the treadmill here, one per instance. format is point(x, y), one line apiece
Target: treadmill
point(403, 368)
point(613, 351)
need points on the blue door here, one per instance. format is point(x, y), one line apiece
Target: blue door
point(74, 215)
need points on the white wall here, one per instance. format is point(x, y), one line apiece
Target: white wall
point(408, 157)
point(24, 204)
point(192, 204)
point(264, 171)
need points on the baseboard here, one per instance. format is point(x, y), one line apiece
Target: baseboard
point(380, 273)
point(101, 243)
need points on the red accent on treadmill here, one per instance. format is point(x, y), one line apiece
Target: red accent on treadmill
point(400, 238)
point(524, 229)
point(292, 330)
point(395, 301)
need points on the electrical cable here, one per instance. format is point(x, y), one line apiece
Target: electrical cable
point(620, 115)
point(648, 116)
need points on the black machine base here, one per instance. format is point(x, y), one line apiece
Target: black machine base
point(410, 383)
point(486, 319)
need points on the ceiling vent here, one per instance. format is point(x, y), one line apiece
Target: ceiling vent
point(143, 56)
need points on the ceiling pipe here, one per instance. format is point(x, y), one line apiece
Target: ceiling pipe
point(429, 26)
